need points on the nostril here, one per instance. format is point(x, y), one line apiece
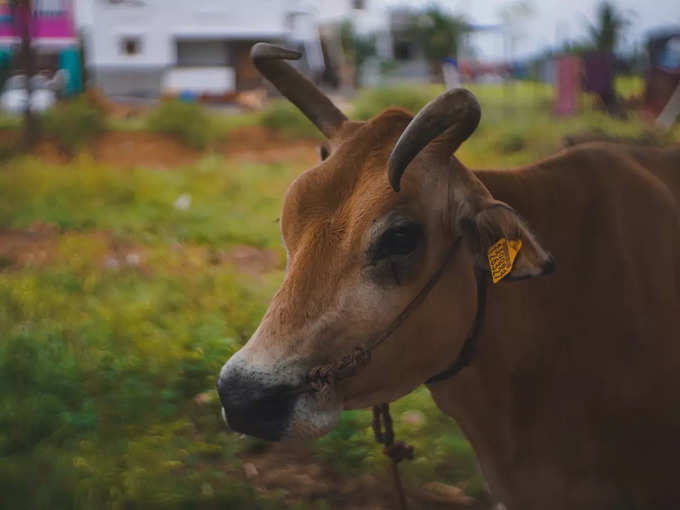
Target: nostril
point(254, 408)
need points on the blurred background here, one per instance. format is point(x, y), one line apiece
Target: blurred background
point(143, 163)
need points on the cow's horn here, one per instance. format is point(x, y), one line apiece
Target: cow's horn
point(270, 61)
point(455, 113)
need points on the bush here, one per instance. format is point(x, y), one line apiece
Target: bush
point(511, 141)
point(288, 120)
point(373, 101)
point(74, 123)
point(188, 122)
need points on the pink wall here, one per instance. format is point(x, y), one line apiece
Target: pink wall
point(52, 22)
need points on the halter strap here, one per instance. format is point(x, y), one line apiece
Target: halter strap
point(469, 349)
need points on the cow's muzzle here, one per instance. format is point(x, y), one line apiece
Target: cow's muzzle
point(254, 408)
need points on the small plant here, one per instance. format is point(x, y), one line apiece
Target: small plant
point(74, 123)
point(510, 142)
point(187, 121)
point(284, 117)
point(373, 101)
point(439, 33)
point(350, 444)
point(358, 49)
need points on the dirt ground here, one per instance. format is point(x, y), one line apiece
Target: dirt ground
point(38, 245)
point(293, 468)
point(134, 149)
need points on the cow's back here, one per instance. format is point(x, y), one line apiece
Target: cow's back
point(662, 162)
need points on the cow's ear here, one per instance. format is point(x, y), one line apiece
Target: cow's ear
point(503, 244)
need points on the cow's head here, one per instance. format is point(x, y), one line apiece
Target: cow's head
point(359, 251)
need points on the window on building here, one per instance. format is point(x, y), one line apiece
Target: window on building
point(359, 4)
point(131, 46)
point(203, 53)
point(402, 50)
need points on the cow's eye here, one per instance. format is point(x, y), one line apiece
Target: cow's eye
point(399, 240)
point(324, 152)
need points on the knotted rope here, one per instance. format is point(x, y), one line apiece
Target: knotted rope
point(396, 451)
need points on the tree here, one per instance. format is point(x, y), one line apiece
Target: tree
point(357, 48)
point(23, 16)
point(608, 31)
point(439, 34)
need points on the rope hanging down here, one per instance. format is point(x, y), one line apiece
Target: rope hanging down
point(396, 451)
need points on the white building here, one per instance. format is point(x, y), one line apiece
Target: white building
point(151, 47)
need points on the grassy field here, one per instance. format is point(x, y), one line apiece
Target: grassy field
point(121, 296)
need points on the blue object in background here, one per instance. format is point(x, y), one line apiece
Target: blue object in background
point(452, 61)
point(670, 57)
point(5, 65)
point(69, 60)
point(188, 96)
point(520, 71)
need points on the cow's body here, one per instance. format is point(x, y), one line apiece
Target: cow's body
point(573, 399)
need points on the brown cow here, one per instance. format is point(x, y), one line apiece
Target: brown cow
point(572, 397)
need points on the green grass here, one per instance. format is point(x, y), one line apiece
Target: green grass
point(8, 121)
point(100, 364)
point(99, 368)
point(371, 102)
point(283, 117)
point(230, 204)
point(441, 451)
point(517, 125)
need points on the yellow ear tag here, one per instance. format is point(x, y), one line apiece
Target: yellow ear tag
point(502, 256)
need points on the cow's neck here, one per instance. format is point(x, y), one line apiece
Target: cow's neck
point(483, 397)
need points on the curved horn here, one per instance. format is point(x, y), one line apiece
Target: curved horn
point(455, 113)
point(269, 60)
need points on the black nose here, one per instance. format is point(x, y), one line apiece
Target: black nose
point(254, 408)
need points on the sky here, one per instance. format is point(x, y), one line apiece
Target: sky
point(551, 23)
point(555, 21)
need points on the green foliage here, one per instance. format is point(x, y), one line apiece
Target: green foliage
point(189, 122)
point(9, 122)
point(99, 369)
point(371, 102)
point(629, 87)
point(74, 124)
point(355, 47)
point(608, 31)
point(439, 33)
point(285, 118)
point(442, 452)
point(350, 446)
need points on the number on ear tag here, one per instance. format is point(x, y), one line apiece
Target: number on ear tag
point(502, 256)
